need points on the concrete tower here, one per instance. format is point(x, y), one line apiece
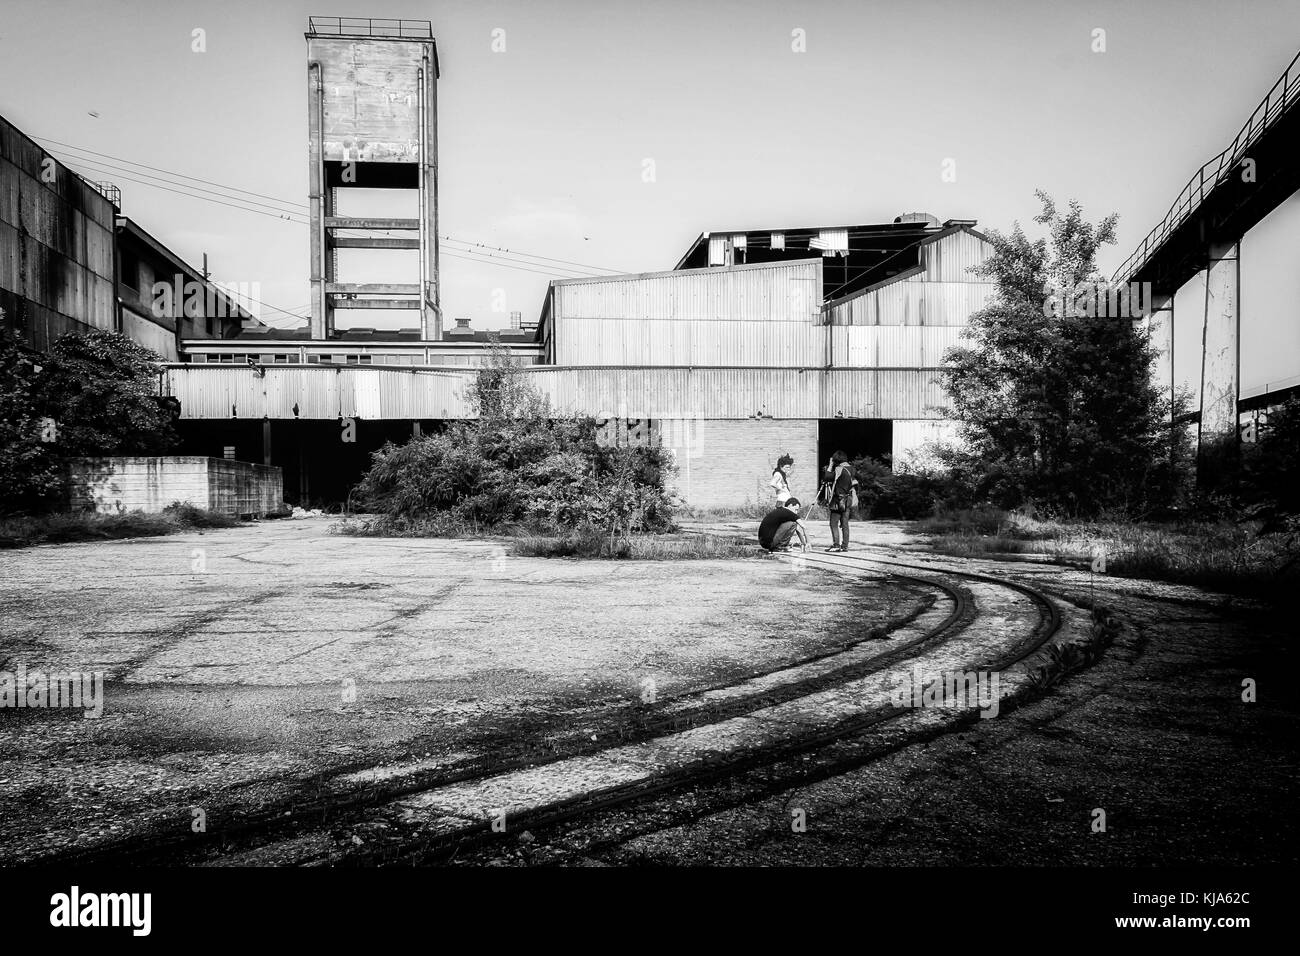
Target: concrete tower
point(373, 124)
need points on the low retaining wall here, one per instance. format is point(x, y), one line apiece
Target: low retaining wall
point(112, 485)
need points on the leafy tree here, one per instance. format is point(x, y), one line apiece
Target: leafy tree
point(30, 473)
point(102, 390)
point(1059, 409)
point(94, 394)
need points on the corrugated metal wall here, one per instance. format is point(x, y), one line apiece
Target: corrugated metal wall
point(951, 258)
point(767, 292)
point(886, 346)
point(670, 342)
point(945, 292)
point(207, 391)
point(911, 435)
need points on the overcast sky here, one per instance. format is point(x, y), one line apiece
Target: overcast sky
point(543, 145)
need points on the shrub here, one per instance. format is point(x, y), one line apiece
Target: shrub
point(516, 464)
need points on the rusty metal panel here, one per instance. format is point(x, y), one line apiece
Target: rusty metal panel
point(785, 292)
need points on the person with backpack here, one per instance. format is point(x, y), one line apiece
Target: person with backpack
point(839, 494)
point(780, 482)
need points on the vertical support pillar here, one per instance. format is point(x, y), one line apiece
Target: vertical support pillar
point(430, 291)
point(1217, 438)
point(316, 197)
point(1160, 325)
point(266, 441)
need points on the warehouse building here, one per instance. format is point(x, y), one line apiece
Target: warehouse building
point(70, 262)
point(729, 366)
point(758, 343)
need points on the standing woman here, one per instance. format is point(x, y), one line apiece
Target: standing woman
point(839, 482)
point(781, 479)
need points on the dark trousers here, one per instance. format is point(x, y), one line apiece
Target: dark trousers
point(783, 535)
point(840, 528)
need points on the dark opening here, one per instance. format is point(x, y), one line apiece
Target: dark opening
point(856, 437)
point(319, 467)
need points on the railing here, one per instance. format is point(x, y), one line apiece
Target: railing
point(369, 27)
point(108, 191)
point(1204, 180)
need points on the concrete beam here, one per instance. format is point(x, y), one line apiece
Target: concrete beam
point(372, 288)
point(375, 243)
point(376, 303)
point(350, 222)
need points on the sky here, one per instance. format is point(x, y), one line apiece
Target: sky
point(544, 145)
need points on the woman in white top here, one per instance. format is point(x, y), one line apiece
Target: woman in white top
point(781, 479)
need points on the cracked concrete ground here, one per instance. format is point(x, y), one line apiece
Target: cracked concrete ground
point(229, 658)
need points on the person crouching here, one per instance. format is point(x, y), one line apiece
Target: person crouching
point(780, 525)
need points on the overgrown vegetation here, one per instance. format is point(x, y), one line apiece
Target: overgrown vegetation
point(517, 466)
point(24, 531)
point(1235, 557)
point(639, 548)
point(95, 394)
point(1059, 410)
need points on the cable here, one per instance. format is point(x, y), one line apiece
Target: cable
point(82, 149)
point(280, 214)
point(283, 217)
point(118, 169)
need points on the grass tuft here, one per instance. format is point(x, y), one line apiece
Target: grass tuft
point(22, 532)
point(1230, 557)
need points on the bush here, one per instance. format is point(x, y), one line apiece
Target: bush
point(94, 394)
point(515, 465)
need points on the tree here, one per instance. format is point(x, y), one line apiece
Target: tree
point(1058, 406)
point(102, 390)
point(94, 394)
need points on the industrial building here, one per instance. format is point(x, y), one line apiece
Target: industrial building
point(69, 261)
point(758, 343)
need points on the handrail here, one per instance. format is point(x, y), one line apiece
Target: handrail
point(366, 26)
point(1193, 194)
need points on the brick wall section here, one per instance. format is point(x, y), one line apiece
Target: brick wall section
point(722, 463)
point(109, 485)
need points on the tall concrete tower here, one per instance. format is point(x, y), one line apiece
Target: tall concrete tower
point(373, 124)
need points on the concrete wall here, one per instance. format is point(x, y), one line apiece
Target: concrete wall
point(56, 246)
point(723, 463)
point(115, 485)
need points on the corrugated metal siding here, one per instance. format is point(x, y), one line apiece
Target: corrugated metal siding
point(914, 301)
point(880, 394)
point(951, 258)
point(207, 391)
point(885, 346)
point(784, 292)
point(372, 393)
point(667, 342)
point(910, 435)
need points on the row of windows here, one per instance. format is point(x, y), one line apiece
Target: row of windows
point(353, 358)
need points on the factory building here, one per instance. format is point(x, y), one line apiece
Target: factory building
point(69, 262)
point(758, 343)
point(729, 366)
